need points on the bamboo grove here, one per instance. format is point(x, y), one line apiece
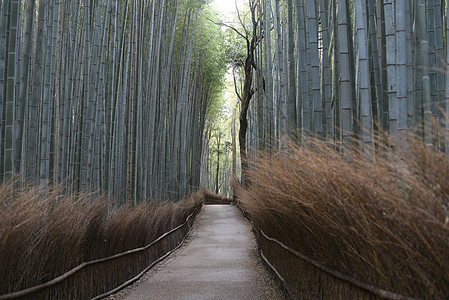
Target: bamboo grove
point(106, 95)
point(344, 71)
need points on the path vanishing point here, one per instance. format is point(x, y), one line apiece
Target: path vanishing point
point(219, 261)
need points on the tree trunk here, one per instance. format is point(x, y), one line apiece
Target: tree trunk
point(291, 99)
point(346, 84)
point(10, 102)
point(234, 142)
point(366, 117)
point(446, 117)
point(18, 130)
point(218, 164)
point(247, 94)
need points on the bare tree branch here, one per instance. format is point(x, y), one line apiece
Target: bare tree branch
point(228, 26)
point(240, 19)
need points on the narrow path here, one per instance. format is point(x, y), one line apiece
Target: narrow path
point(219, 262)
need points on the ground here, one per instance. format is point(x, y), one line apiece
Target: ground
point(219, 261)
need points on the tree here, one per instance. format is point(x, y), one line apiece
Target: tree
point(252, 40)
point(11, 70)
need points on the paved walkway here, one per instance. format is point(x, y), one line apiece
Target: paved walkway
point(219, 262)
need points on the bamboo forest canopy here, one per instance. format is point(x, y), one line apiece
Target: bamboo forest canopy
point(107, 95)
point(343, 71)
point(123, 96)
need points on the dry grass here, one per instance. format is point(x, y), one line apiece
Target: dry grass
point(384, 223)
point(215, 199)
point(43, 236)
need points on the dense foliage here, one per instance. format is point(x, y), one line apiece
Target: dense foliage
point(342, 70)
point(107, 95)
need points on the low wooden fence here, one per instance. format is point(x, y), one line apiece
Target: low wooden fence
point(87, 282)
point(314, 274)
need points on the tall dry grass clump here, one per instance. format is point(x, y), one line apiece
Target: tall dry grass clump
point(44, 235)
point(384, 223)
point(214, 199)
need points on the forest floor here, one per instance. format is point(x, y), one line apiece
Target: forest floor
point(219, 261)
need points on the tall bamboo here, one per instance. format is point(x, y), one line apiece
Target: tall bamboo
point(9, 106)
point(364, 85)
point(346, 84)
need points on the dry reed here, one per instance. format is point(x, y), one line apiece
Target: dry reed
point(43, 235)
point(215, 199)
point(384, 223)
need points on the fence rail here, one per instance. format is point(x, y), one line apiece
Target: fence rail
point(71, 272)
point(337, 274)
